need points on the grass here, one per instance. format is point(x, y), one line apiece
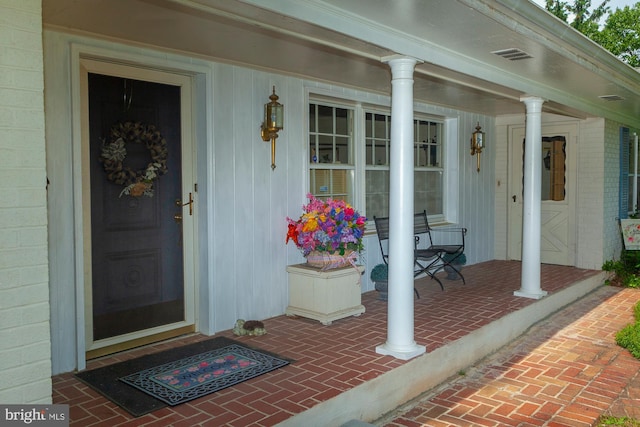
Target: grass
point(626, 274)
point(606, 420)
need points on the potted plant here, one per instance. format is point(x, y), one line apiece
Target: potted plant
point(329, 233)
point(457, 263)
point(380, 276)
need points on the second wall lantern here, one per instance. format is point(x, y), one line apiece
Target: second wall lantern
point(272, 124)
point(477, 144)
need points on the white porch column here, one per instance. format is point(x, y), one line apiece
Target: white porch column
point(400, 326)
point(530, 280)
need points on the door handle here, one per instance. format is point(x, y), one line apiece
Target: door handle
point(190, 203)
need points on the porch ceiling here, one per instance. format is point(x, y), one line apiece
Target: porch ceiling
point(345, 41)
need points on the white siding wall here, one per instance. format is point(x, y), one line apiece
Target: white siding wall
point(592, 195)
point(25, 349)
point(243, 203)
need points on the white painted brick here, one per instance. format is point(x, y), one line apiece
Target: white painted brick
point(23, 375)
point(34, 275)
point(33, 353)
point(9, 319)
point(11, 358)
point(20, 58)
point(25, 217)
point(21, 158)
point(21, 140)
point(12, 297)
point(24, 336)
point(8, 279)
point(22, 98)
point(37, 392)
point(32, 237)
point(24, 287)
point(24, 17)
point(8, 239)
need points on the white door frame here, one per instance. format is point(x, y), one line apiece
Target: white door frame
point(569, 129)
point(83, 62)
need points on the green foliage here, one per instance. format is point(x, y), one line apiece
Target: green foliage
point(621, 34)
point(629, 336)
point(461, 260)
point(617, 422)
point(379, 273)
point(626, 270)
point(584, 20)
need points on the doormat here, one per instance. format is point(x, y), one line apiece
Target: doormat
point(175, 376)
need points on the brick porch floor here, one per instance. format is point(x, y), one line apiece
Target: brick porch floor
point(566, 371)
point(331, 360)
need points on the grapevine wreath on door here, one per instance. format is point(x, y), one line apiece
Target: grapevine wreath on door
point(137, 182)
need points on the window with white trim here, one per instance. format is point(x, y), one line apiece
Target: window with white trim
point(340, 134)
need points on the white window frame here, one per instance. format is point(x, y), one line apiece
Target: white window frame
point(361, 102)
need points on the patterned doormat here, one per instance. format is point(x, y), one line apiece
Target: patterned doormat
point(178, 375)
point(196, 376)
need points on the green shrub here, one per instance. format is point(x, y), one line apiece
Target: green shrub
point(625, 270)
point(379, 273)
point(629, 336)
point(460, 260)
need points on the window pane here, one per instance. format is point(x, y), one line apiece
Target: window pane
point(377, 141)
point(332, 183)
point(342, 122)
point(325, 149)
point(377, 193)
point(428, 192)
point(428, 145)
point(325, 119)
point(553, 168)
point(342, 154)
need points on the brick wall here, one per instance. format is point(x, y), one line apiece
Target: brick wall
point(25, 349)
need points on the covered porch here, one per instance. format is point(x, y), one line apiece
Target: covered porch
point(337, 375)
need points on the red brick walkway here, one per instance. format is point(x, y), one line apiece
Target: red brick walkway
point(566, 371)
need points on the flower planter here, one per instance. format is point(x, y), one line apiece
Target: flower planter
point(382, 286)
point(451, 273)
point(324, 295)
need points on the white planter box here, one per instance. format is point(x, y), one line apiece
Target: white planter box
point(324, 295)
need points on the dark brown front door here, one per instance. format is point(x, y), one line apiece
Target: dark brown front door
point(136, 243)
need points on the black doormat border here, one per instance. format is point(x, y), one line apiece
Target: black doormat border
point(136, 402)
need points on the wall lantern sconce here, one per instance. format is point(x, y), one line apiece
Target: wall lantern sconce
point(273, 117)
point(477, 143)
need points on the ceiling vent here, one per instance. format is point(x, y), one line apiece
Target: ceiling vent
point(512, 54)
point(611, 97)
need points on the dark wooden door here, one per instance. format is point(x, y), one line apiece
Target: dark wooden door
point(136, 244)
